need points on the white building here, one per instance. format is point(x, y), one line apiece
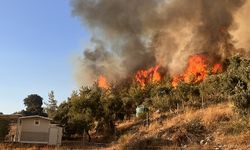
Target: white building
point(38, 130)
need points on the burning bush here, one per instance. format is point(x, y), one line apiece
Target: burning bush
point(196, 71)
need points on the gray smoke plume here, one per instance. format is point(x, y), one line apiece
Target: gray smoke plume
point(136, 34)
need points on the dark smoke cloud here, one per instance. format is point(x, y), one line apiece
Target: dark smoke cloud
point(133, 34)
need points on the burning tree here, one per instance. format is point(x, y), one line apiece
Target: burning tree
point(151, 75)
point(103, 83)
point(197, 70)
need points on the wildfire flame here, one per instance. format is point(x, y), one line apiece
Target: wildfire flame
point(217, 68)
point(102, 82)
point(148, 76)
point(196, 71)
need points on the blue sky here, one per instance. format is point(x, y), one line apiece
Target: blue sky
point(38, 40)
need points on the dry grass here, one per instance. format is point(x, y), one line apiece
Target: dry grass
point(45, 147)
point(212, 118)
point(210, 115)
point(240, 141)
point(27, 147)
point(127, 123)
point(215, 114)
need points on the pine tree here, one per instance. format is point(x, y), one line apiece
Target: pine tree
point(51, 106)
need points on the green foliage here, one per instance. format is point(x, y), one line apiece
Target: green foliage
point(4, 129)
point(137, 94)
point(51, 106)
point(94, 108)
point(212, 89)
point(188, 95)
point(238, 85)
point(83, 109)
point(33, 105)
point(62, 117)
point(165, 103)
point(90, 108)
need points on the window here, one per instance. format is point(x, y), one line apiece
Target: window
point(37, 122)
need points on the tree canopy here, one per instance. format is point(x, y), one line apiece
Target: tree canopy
point(51, 106)
point(33, 105)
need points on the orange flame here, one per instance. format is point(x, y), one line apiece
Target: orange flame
point(102, 82)
point(148, 76)
point(217, 68)
point(196, 71)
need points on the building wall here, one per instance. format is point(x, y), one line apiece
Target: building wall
point(29, 132)
point(28, 125)
point(46, 133)
point(55, 136)
point(40, 137)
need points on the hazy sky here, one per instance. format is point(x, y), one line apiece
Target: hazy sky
point(38, 40)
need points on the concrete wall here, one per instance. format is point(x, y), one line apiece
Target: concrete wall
point(55, 136)
point(29, 132)
point(40, 137)
point(28, 125)
point(46, 133)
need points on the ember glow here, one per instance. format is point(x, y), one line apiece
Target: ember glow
point(217, 68)
point(151, 75)
point(196, 71)
point(102, 82)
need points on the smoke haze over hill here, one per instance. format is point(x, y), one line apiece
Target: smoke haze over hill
point(137, 34)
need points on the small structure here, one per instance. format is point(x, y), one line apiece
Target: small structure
point(141, 110)
point(143, 113)
point(38, 130)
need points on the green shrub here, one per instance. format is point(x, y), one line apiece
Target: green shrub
point(188, 95)
point(241, 101)
point(238, 84)
point(212, 89)
point(166, 103)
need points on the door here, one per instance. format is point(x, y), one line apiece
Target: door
point(53, 136)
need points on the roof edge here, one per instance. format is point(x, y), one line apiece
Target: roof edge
point(35, 116)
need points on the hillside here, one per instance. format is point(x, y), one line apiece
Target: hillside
point(214, 127)
point(208, 128)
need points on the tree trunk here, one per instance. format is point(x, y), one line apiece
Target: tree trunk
point(88, 135)
point(112, 126)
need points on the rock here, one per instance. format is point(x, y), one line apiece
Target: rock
point(218, 147)
point(202, 142)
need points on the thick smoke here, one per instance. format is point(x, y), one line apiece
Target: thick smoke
point(136, 34)
point(242, 34)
